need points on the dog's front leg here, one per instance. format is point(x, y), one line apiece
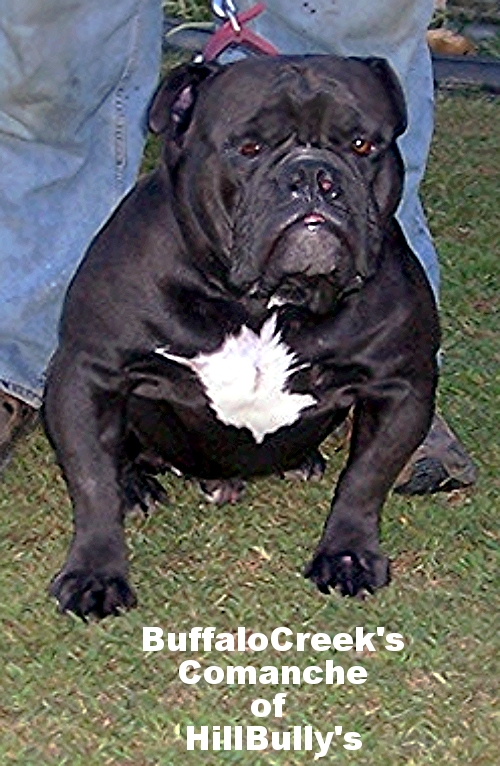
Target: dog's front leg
point(385, 434)
point(84, 416)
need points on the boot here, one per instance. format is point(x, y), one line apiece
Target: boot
point(16, 419)
point(440, 464)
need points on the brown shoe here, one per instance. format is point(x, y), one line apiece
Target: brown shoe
point(440, 464)
point(16, 418)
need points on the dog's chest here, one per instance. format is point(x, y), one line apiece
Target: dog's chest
point(246, 380)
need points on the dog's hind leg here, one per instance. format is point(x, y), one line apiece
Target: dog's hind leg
point(141, 489)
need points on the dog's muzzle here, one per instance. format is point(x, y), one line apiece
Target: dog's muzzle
point(313, 222)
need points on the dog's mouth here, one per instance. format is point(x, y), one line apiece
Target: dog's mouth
point(328, 226)
point(313, 243)
point(313, 221)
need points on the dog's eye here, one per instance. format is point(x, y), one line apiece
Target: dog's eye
point(362, 147)
point(250, 148)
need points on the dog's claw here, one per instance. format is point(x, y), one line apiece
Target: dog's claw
point(85, 594)
point(351, 574)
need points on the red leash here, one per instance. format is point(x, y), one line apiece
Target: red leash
point(233, 32)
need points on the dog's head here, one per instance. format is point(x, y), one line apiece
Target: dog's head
point(286, 167)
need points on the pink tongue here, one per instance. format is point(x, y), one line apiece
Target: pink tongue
point(314, 218)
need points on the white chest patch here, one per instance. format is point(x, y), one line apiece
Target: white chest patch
point(245, 380)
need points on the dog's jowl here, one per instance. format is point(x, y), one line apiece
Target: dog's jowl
point(243, 299)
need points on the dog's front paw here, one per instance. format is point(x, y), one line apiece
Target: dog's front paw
point(92, 593)
point(354, 574)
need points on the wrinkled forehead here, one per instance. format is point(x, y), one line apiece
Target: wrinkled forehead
point(303, 93)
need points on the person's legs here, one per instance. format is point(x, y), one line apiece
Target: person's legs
point(74, 84)
point(75, 80)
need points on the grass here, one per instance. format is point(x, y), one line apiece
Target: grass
point(190, 10)
point(86, 694)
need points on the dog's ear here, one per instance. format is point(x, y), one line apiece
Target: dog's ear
point(383, 70)
point(172, 105)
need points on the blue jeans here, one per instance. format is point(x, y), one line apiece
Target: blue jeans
point(75, 80)
point(391, 29)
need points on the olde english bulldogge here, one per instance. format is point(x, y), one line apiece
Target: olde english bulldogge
point(243, 299)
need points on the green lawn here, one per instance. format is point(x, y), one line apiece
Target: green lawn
point(87, 694)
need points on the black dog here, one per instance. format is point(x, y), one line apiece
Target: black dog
point(243, 298)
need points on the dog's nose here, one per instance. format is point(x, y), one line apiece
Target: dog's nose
point(308, 178)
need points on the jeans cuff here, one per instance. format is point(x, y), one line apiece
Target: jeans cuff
point(19, 392)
